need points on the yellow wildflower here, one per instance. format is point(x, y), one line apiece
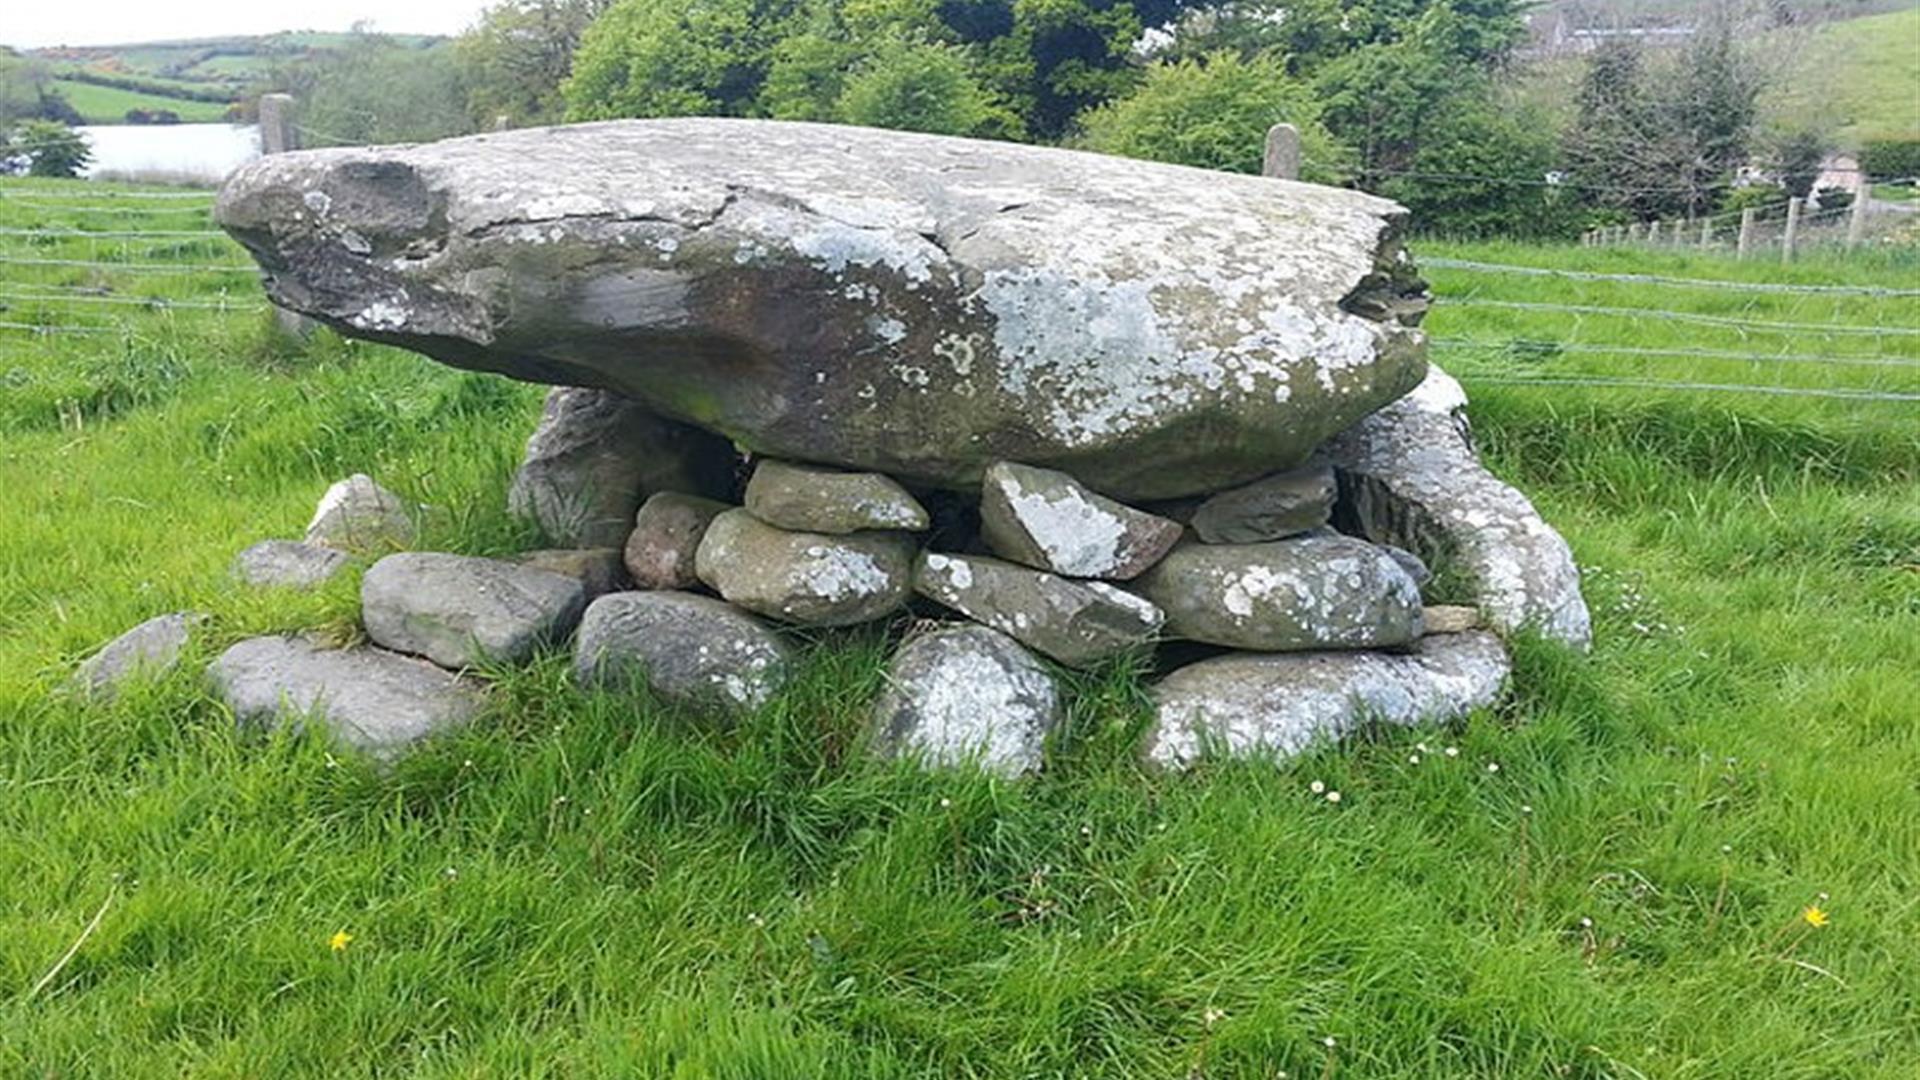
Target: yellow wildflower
point(1814, 916)
point(338, 942)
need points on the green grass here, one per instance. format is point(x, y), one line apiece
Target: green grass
point(589, 885)
point(109, 104)
point(1857, 78)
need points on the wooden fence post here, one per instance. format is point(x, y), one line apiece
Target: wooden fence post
point(1857, 220)
point(1706, 232)
point(1745, 243)
point(1634, 230)
point(1653, 231)
point(1792, 232)
point(1282, 158)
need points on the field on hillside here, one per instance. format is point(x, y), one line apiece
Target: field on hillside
point(109, 104)
point(1860, 76)
point(1605, 877)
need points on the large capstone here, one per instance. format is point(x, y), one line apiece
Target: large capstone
point(915, 305)
point(691, 650)
point(807, 578)
point(1309, 592)
point(1251, 704)
point(370, 699)
point(967, 695)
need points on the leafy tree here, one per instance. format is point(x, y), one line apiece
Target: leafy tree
point(1486, 168)
point(919, 87)
point(1381, 97)
point(515, 58)
point(1215, 114)
point(377, 89)
point(1711, 110)
point(51, 148)
point(678, 58)
point(1798, 157)
point(27, 92)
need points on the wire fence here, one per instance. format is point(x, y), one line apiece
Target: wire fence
point(88, 262)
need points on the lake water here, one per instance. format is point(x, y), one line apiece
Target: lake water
point(203, 153)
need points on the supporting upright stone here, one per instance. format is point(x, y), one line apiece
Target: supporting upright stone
point(1282, 158)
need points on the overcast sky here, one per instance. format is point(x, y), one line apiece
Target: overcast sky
point(33, 23)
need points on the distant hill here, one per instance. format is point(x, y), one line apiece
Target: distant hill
point(202, 79)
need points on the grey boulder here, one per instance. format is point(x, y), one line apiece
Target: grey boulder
point(459, 611)
point(598, 570)
point(371, 700)
point(661, 550)
point(1251, 705)
point(1271, 508)
point(150, 650)
point(1047, 520)
point(1309, 592)
point(914, 305)
point(1409, 477)
point(690, 650)
point(806, 578)
point(595, 455)
point(1077, 623)
point(289, 564)
point(807, 498)
point(967, 695)
point(357, 514)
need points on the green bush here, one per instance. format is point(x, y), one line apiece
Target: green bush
point(1891, 158)
point(51, 149)
point(1214, 113)
point(919, 87)
point(1483, 170)
point(1769, 201)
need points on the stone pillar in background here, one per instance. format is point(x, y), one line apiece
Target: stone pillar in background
point(1282, 160)
point(278, 136)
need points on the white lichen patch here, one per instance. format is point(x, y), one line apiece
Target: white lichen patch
point(1078, 538)
point(834, 573)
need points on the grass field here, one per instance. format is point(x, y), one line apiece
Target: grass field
point(1860, 77)
point(1603, 878)
point(109, 104)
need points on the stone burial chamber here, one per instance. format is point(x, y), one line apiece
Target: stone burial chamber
point(1040, 409)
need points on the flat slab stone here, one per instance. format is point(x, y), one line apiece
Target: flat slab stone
point(150, 650)
point(1049, 521)
point(810, 499)
point(943, 303)
point(596, 455)
point(967, 695)
point(598, 570)
point(688, 649)
point(1078, 623)
point(357, 514)
point(460, 611)
point(1410, 477)
point(806, 578)
point(661, 551)
point(1271, 508)
point(370, 699)
point(1258, 704)
point(289, 564)
point(1308, 592)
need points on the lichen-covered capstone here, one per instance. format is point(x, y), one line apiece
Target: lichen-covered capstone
point(1409, 477)
point(688, 649)
point(370, 699)
point(1047, 520)
point(915, 305)
point(459, 611)
point(806, 578)
point(1309, 592)
point(1250, 704)
point(810, 499)
point(596, 455)
point(967, 695)
point(1075, 622)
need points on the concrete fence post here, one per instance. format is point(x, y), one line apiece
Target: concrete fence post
point(1706, 232)
point(1857, 218)
point(277, 134)
point(1634, 230)
point(1653, 231)
point(1745, 243)
point(1792, 232)
point(1282, 158)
